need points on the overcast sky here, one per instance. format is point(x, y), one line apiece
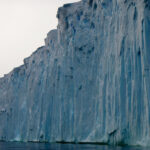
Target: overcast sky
point(23, 28)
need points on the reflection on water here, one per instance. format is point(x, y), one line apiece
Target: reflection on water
point(42, 146)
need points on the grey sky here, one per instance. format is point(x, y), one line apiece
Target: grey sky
point(23, 28)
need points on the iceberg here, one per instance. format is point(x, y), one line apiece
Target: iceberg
point(89, 83)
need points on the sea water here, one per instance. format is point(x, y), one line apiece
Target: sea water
point(47, 146)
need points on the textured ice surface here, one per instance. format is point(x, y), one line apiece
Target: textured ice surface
point(89, 83)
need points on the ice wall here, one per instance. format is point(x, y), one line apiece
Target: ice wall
point(89, 83)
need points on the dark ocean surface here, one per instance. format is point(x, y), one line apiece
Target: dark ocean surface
point(42, 146)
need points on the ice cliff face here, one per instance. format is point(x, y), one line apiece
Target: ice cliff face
point(89, 83)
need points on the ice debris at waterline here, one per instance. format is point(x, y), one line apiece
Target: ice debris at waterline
point(89, 83)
